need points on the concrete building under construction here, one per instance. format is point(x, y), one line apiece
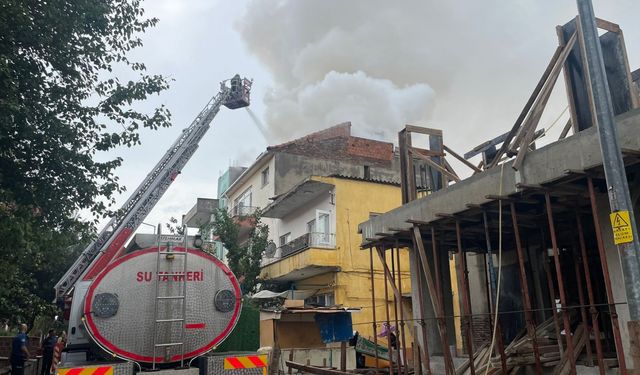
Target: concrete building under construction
point(529, 232)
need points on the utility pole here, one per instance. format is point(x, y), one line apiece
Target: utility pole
point(617, 186)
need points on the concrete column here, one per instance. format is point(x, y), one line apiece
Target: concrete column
point(478, 287)
point(535, 255)
point(435, 346)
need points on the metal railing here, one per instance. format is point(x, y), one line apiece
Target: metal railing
point(308, 240)
point(243, 210)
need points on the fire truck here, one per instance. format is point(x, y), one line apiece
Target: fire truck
point(153, 301)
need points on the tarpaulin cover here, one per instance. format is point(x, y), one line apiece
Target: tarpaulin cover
point(266, 294)
point(288, 294)
point(334, 327)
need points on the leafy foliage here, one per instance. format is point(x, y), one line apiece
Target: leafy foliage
point(60, 104)
point(243, 258)
point(245, 337)
point(33, 257)
point(173, 227)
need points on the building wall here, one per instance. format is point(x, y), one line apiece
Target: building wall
point(292, 169)
point(287, 170)
point(266, 332)
point(323, 283)
point(355, 201)
point(288, 329)
point(224, 181)
point(260, 194)
point(296, 221)
point(312, 256)
point(353, 289)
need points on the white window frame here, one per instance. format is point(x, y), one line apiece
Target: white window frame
point(240, 202)
point(285, 239)
point(328, 299)
point(311, 226)
point(323, 228)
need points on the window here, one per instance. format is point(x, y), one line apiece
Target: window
point(322, 222)
point(311, 226)
point(367, 172)
point(323, 226)
point(330, 299)
point(324, 299)
point(265, 177)
point(245, 198)
point(285, 239)
point(242, 204)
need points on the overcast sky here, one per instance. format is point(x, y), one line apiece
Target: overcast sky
point(459, 66)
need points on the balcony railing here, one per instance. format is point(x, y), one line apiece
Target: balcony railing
point(243, 210)
point(307, 240)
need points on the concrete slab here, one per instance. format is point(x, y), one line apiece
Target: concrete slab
point(200, 213)
point(578, 152)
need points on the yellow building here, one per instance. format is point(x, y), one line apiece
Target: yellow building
point(319, 257)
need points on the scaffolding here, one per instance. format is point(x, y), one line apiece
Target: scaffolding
point(547, 298)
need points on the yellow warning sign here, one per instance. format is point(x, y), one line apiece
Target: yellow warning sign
point(621, 225)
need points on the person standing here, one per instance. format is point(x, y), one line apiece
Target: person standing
point(19, 351)
point(48, 344)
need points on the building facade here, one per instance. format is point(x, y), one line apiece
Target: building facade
point(281, 167)
point(318, 257)
point(312, 192)
point(202, 213)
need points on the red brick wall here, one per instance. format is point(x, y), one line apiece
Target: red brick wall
point(338, 131)
point(336, 143)
point(369, 148)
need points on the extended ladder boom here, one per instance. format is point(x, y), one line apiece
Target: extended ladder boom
point(111, 239)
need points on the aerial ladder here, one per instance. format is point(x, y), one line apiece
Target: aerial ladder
point(109, 243)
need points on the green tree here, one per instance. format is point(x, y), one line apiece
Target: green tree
point(173, 227)
point(61, 103)
point(243, 257)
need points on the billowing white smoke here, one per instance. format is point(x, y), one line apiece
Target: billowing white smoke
point(466, 67)
point(375, 106)
point(336, 61)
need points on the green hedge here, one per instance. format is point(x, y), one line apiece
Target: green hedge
point(246, 334)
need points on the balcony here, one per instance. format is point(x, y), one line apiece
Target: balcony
point(299, 196)
point(319, 241)
point(241, 215)
point(306, 256)
point(241, 210)
point(200, 214)
point(307, 240)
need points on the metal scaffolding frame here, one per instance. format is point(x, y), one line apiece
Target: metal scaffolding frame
point(563, 209)
point(555, 247)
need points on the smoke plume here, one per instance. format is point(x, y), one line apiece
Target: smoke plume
point(371, 104)
point(466, 66)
